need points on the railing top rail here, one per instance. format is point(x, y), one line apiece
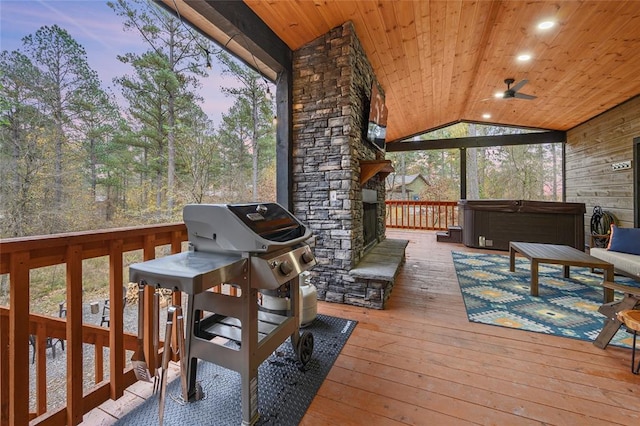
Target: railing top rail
point(46, 250)
point(80, 237)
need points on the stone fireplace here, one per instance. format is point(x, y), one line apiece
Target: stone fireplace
point(337, 189)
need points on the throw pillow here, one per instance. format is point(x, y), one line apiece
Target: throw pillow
point(624, 240)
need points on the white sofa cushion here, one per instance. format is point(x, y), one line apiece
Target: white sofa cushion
point(625, 262)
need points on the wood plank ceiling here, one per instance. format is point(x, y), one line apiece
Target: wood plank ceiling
point(441, 62)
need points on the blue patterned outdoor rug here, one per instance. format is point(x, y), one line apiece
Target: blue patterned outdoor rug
point(565, 306)
point(285, 390)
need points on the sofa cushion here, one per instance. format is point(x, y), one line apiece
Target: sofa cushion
point(624, 240)
point(623, 262)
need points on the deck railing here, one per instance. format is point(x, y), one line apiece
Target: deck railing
point(18, 257)
point(427, 215)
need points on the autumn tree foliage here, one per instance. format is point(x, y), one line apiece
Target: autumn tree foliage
point(76, 154)
point(520, 171)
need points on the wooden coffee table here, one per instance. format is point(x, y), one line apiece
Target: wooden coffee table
point(558, 255)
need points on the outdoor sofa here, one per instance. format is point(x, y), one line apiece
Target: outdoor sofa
point(623, 251)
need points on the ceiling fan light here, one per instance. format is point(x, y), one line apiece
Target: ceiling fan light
point(499, 95)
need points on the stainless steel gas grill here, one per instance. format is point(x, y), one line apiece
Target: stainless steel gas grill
point(248, 247)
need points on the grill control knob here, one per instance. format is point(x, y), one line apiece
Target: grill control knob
point(307, 257)
point(286, 268)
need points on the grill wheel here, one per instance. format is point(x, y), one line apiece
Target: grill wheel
point(304, 348)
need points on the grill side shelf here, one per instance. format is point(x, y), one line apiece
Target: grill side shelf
point(189, 272)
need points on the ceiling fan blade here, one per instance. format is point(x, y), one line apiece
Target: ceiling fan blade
point(519, 85)
point(523, 96)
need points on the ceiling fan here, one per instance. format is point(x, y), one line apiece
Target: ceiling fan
point(512, 92)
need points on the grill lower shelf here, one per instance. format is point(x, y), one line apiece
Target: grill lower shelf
point(236, 335)
point(230, 328)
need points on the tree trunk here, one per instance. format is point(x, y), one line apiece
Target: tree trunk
point(171, 166)
point(171, 149)
point(473, 186)
point(93, 168)
point(16, 185)
point(539, 174)
point(57, 172)
point(254, 146)
point(158, 190)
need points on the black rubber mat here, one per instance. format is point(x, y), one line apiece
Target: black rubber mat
point(285, 390)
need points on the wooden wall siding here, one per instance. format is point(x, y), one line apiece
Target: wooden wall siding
point(591, 149)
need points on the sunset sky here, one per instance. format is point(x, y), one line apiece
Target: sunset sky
point(99, 30)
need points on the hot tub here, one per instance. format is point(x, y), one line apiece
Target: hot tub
point(493, 223)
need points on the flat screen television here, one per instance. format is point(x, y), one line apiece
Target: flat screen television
point(377, 124)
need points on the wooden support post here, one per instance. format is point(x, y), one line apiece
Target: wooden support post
point(41, 368)
point(19, 338)
point(153, 360)
point(116, 321)
point(75, 358)
point(4, 369)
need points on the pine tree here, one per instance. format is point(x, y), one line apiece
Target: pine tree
point(22, 153)
point(66, 78)
point(253, 111)
point(167, 72)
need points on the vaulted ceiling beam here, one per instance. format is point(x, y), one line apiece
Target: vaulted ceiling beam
point(552, 136)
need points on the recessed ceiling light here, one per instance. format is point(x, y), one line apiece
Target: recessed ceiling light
point(545, 25)
point(524, 57)
point(486, 116)
point(499, 95)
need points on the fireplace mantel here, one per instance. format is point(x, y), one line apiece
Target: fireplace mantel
point(370, 168)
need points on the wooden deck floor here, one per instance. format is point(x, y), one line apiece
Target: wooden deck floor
point(421, 362)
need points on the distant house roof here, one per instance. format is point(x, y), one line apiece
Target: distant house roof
point(394, 181)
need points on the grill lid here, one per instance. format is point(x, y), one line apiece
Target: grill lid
point(255, 227)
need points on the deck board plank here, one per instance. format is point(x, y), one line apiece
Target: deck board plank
point(420, 361)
